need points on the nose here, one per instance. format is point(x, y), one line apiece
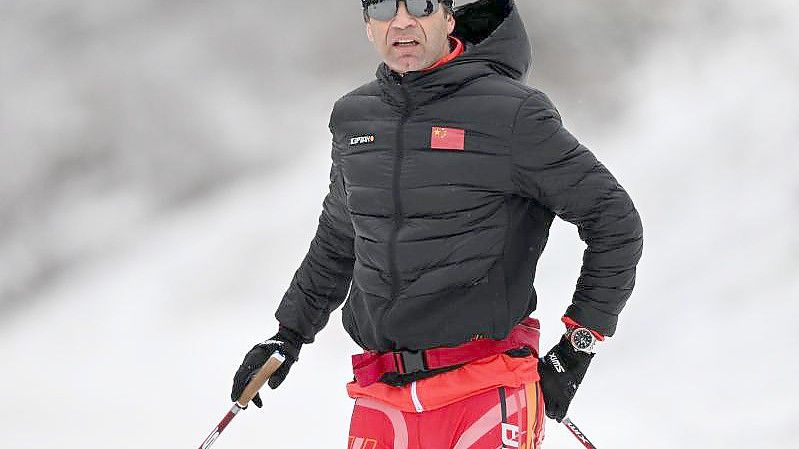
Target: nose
point(403, 19)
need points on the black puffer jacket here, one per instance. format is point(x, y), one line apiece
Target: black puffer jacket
point(442, 245)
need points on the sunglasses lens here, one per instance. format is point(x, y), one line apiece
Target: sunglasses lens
point(382, 10)
point(387, 9)
point(422, 8)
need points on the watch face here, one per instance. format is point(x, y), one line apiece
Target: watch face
point(582, 339)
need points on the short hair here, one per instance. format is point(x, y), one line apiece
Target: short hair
point(449, 8)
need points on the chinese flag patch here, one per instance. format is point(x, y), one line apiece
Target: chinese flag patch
point(447, 139)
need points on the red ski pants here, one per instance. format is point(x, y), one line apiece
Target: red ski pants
point(503, 417)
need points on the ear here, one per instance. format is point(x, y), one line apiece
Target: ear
point(369, 33)
point(450, 23)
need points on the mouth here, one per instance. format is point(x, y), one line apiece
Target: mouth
point(405, 43)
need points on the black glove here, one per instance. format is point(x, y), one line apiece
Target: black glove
point(287, 342)
point(561, 371)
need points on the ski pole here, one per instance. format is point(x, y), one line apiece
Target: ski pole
point(577, 433)
point(258, 381)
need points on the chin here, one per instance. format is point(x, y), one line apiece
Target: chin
point(405, 66)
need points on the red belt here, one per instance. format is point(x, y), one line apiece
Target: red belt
point(370, 366)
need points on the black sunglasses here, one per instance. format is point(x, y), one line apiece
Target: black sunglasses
point(387, 9)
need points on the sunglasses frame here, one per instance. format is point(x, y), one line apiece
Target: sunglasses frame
point(410, 5)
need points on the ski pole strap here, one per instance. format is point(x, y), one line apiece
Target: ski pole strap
point(370, 366)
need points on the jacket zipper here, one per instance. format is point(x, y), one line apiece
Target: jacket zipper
point(398, 210)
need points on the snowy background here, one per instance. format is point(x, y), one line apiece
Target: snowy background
point(164, 162)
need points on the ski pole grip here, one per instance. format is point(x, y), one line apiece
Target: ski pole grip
point(260, 378)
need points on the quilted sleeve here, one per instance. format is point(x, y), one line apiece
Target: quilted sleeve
point(551, 167)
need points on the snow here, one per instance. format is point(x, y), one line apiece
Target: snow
point(137, 347)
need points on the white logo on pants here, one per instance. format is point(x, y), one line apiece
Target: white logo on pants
point(510, 435)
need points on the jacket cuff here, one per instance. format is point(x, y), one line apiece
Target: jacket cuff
point(572, 324)
point(291, 336)
point(287, 316)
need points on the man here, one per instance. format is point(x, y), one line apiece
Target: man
point(447, 173)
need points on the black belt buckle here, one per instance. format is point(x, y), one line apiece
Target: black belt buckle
point(412, 361)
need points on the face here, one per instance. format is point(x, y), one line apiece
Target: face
point(407, 43)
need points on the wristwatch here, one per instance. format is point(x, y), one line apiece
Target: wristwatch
point(582, 339)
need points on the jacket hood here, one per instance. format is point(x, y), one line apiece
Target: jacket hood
point(495, 35)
